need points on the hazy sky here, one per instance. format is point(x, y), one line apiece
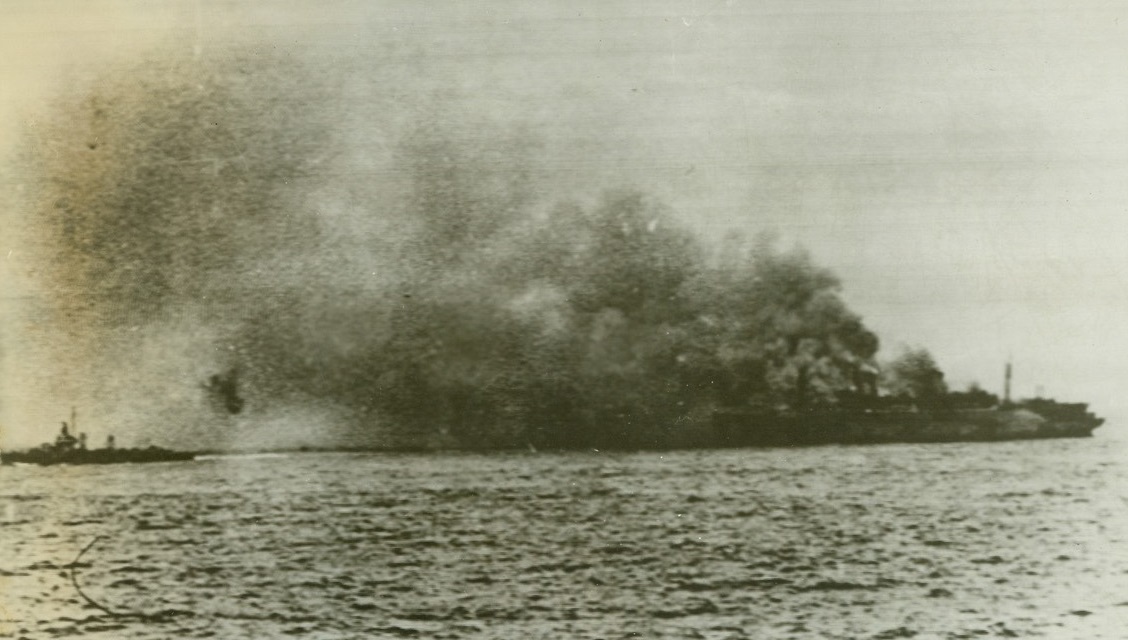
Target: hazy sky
point(961, 165)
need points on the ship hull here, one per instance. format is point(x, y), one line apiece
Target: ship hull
point(47, 457)
point(734, 428)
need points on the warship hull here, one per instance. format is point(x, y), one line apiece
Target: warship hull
point(47, 456)
point(737, 428)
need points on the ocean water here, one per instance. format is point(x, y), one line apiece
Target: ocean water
point(1019, 539)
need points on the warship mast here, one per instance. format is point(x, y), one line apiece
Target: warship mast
point(1007, 384)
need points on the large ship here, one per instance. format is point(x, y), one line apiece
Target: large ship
point(956, 417)
point(71, 449)
point(1028, 420)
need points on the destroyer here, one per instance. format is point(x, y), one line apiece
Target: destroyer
point(70, 449)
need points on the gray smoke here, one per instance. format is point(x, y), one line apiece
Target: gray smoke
point(250, 250)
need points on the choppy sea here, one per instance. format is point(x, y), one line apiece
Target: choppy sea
point(1018, 539)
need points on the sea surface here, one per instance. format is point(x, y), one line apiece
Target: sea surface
point(1019, 539)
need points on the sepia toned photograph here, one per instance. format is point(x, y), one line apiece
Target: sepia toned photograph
point(504, 320)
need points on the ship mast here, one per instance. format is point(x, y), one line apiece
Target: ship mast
point(1006, 384)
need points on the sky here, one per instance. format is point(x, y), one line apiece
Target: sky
point(961, 166)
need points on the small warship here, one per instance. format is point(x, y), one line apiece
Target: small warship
point(71, 449)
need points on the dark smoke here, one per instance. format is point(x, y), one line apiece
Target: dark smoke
point(201, 218)
point(224, 389)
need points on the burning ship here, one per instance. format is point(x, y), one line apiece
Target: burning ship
point(955, 417)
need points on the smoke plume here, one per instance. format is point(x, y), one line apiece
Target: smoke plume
point(221, 262)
